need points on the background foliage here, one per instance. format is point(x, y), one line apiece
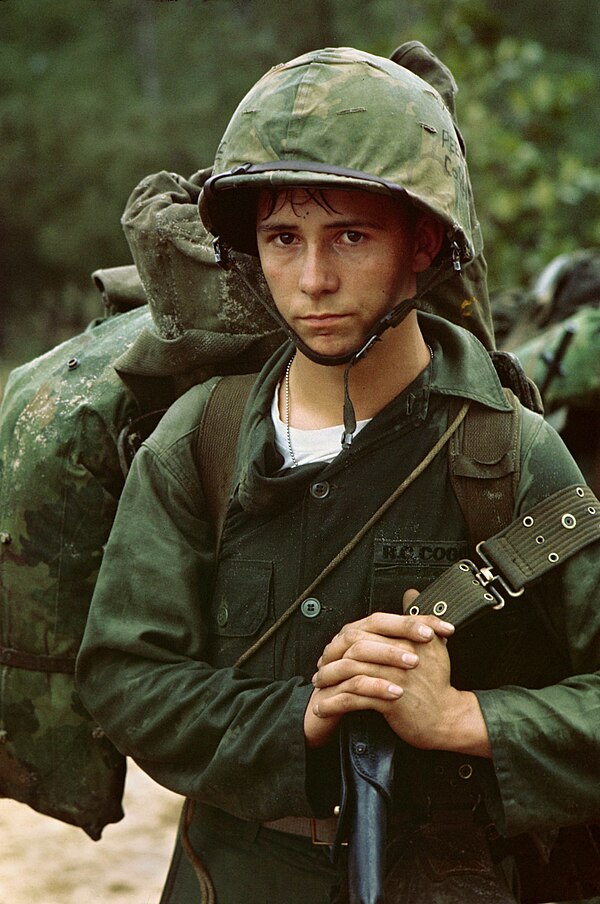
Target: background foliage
point(98, 93)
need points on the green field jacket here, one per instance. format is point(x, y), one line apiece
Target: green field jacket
point(167, 623)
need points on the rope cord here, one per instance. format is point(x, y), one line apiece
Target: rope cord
point(433, 452)
point(207, 889)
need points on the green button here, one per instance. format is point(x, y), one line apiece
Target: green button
point(310, 607)
point(222, 616)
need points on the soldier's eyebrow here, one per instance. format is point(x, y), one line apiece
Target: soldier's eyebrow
point(277, 227)
point(342, 223)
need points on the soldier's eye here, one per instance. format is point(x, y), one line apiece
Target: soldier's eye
point(285, 238)
point(353, 237)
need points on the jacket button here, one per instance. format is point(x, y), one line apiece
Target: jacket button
point(5, 537)
point(311, 607)
point(320, 489)
point(222, 616)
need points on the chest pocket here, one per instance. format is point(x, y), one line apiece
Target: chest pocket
point(400, 565)
point(241, 598)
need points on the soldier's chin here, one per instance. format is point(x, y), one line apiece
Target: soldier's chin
point(333, 350)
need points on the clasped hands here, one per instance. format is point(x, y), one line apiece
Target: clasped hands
point(397, 665)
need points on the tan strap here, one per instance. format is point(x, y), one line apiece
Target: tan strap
point(215, 455)
point(484, 465)
point(218, 439)
point(320, 831)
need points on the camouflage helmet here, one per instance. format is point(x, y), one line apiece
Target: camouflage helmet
point(340, 118)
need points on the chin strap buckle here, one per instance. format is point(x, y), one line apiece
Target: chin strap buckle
point(222, 254)
point(456, 256)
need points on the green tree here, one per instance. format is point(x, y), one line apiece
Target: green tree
point(98, 93)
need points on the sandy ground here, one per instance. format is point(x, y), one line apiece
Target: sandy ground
point(44, 861)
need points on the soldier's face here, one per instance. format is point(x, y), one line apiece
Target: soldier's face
point(337, 261)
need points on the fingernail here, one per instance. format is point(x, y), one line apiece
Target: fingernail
point(395, 691)
point(447, 625)
point(410, 658)
point(314, 678)
point(425, 631)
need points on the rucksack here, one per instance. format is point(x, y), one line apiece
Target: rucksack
point(59, 486)
point(63, 421)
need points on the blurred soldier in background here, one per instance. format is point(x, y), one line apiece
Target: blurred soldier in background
point(554, 329)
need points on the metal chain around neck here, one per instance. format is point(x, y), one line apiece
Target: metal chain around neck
point(287, 412)
point(346, 436)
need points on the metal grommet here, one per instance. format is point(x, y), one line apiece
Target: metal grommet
point(440, 608)
point(568, 520)
point(580, 492)
point(465, 771)
point(527, 521)
point(311, 607)
point(591, 510)
point(488, 597)
point(72, 363)
point(539, 540)
point(360, 748)
point(222, 616)
point(464, 567)
point(414, 610)
point(553, 557)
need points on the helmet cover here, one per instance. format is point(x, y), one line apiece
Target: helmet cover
point(339, 118)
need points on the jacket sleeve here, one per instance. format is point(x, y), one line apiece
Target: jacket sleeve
point(218, 735)
point(546, 741)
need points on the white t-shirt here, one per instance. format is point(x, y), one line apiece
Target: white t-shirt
point(308, 445)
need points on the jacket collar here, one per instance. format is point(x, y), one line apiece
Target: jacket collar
point(461, 367)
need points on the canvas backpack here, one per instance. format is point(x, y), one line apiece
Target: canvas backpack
point(65, 423)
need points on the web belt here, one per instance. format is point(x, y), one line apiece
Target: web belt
point(551, 532)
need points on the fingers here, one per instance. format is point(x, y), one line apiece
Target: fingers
point(365, 658)
point(358, 693)
point(381, 627)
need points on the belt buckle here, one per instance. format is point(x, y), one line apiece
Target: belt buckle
point(314, 837)
point(313, 833)
point(486, 576)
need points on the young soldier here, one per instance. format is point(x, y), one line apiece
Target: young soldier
point(344, 172)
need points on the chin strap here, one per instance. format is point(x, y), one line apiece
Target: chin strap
point(393, 318)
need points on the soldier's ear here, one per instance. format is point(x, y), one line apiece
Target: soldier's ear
point(429, 235)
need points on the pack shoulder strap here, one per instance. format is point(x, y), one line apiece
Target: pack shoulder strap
point(217, 441)
point(483, 456)
point(484, 466)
